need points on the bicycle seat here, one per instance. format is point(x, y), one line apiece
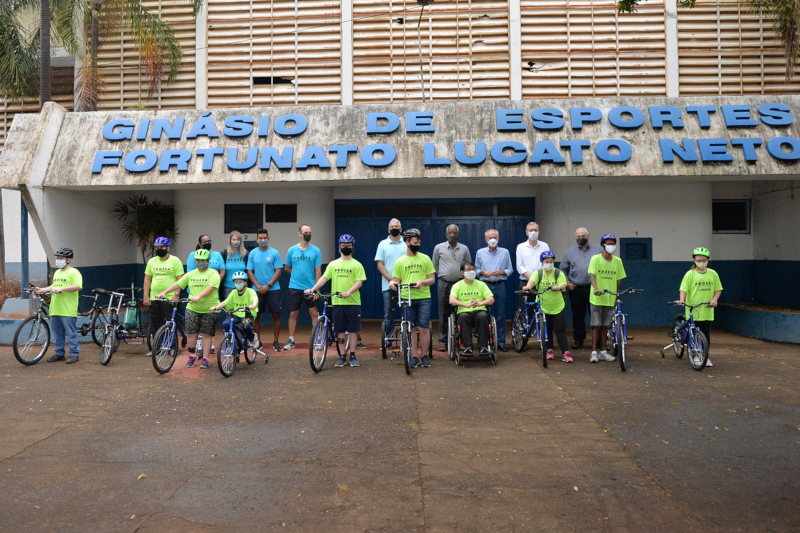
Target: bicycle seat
point(680, 317)
point(101, 291)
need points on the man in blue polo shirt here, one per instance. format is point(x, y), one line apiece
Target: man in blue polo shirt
point(264, 267)
point(304, 265)
point(389, 251)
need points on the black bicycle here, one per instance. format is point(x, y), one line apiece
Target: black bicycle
point(32, 337)
point(96, 325)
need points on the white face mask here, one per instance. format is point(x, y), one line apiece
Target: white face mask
point(548, 266)
point(533, 235)
point(701, 264)
point(239, 286)
point(61, 263)
point(610, 248)
point(493, 243)
point(470, 274)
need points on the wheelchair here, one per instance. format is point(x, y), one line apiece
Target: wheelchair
point(454, 347)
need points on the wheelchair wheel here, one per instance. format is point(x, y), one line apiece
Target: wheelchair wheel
point(493, 355)
point(451, 336)
point(518, 332)
point(383, 339)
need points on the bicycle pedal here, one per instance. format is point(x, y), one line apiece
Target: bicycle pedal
point(630, 337)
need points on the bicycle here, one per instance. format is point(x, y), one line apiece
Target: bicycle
point(165, 342)
point(322, 336)
point(98, 321)
point(618, 332)
point(685, 334)
point(115, 331)
point(34, 331)
point(522, 324)
point(231, 344)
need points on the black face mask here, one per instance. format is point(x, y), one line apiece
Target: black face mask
point(306, 237)
point(347, 251)
point(582, 242)
point(161, 253)
point(206, 246)
point(414, 248)
point(394, 232)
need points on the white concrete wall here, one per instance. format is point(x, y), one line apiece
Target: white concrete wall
point(776, 218)
point(11, 227)
point(732, 246)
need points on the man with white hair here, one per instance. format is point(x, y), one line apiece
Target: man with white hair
point(389, 251)
point(528, 254)
point(447, 259)
point(493, 264)
point(575, 266)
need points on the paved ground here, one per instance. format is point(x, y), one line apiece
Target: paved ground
point(471, 448)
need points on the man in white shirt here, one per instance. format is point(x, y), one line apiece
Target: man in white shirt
point(528, 254)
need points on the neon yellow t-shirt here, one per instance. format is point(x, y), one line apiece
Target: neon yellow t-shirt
point(410, 269)
point(606, 273)
point(164, 274)
point(464, 292)
point(699, 289)
point(197, 282)
point(552, 302)
point(343, 275)
point(246, 299)
point(66, 303)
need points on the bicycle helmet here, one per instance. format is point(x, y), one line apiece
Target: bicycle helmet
point(239, 275)
point(346, 237)
point(162, 241)
point(546, 254)
point(411, 233)
point(701, 251)
point(607, 236)
point(64, 252)
point(202, 255)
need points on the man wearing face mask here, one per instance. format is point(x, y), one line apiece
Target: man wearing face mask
point(472, 296)
point(605, 273)
point(264, 267)
point(304, 265)
point(575, 266)
point(389, 250)
point(528, 254)
point(493, 264)
point(66, 288)
point(161, 271)
point(447, 259)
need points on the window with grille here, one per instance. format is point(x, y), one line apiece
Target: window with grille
point(636, 250)
point(245, 218)
point(730, 216)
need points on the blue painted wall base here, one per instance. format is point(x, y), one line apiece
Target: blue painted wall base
point(776, 327)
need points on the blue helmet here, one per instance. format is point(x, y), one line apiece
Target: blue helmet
point(546, 254)
point(239, 275)
point(162, 241)
point(607, 236)
point(347, 238)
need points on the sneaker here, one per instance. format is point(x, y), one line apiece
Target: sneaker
point(550, 355)
point(276, 346)
point(256, 344)
point(467, 352)
point(204, 363)
point(149, 354)
point(708, 363)
point(425, 361)
point(414, 362)
point(55, 359)
point(353, 360)
point(361, 346)
point(388, 345)
point(485, 352)
point(213, 349)
point(192, 359)
point(605, 356)
point(502, 348)
point(71, 359)
point(341, 362)
point(566, 357)
point(289, 345)
point(593, 357)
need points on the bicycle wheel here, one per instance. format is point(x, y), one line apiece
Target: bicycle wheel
point(519, 336)
point(99, 321)
point(619, 342)
point(318, 345)
point(383, 339)
point(494, 342)
point(698, 350)
point(405, 347)
point(250, 353)
point(165, 348)
point(31, 340)
point(542, 341)
point(109, 343)
point(677, 339)
point(226, 359)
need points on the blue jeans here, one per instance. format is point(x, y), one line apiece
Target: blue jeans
point(419, 314)
point(499, 310)
point(65, 326)
point(388, 309)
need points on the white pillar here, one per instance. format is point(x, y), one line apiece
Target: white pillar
point(515, 48)
point(201, 59)
point(673, 88)
point(347, 52)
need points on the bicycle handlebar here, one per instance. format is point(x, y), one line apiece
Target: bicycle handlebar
point(33, 291)
point(330, 295)
point(626, 291)
point(534, 292)
point(174, 302)
point(691, 307)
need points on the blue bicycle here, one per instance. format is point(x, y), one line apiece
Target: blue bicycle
point(165, 341)
point(322, 336)
point(529, 320)
point(618, 332)
point(685, 334)
point(234, 342)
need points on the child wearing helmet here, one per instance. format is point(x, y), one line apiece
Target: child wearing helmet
point(241, 296)
point(552, 302)
point(66, 288)
point(605, 272)
point(346, 275)
point(161, 271)
point(701, 285)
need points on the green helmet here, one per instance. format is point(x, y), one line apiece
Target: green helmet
point(701, 251)
point(202, 255)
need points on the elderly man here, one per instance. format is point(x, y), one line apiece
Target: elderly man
point(528, 254)
point(575, 266)
point(494, 266)
point(389, 251)
point(447, 259)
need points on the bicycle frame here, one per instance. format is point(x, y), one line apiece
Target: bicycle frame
point(404, 304)
point(177, 326)
point(113, 311)
point(530, 324)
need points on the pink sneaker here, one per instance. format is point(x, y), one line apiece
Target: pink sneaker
point(550, 355)
point(567, 358)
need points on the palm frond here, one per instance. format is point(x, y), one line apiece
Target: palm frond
point(19, 56)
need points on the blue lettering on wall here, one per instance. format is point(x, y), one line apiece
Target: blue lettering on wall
point(663, 113)
point(204, 127)
point(368, 155)
point(175, 158)
point(125, 132)
point(547, 118)
point(270, 154)
point(430, 157)
point(775, 114)
point(419, 122)
point(150, 160)
point(162, 125)
point(144, 126)
point(263, 126)
point(499, 157)
point(105, 159)
point(248, 163)
point(300, 125)
point(738, 116)
point(460, 152)
point(578, 116)
point(392, 123)
point(775, 148)
point(545, 152)
point(702, 112)
point(670, 148)
point(208, 155)
point(341, 151)
point(748, 145)
point(314, 156)
point(575, 149)
point(714, 150)
point(616, 118)
point(238, 126)
point(509, 119)
point(601, 149)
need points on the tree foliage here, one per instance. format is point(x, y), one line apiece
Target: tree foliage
point(144, 220)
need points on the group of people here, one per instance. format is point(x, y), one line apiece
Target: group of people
point(588, 273)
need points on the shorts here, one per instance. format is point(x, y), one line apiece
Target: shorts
point(601, 315)
point(205, 323)
point(271, 301)
point(419, 314)
point(346, 318)
point(296, 298)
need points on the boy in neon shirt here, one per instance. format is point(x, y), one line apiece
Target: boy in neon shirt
point(66, 288)
point(241, 296)
point(606, 272)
